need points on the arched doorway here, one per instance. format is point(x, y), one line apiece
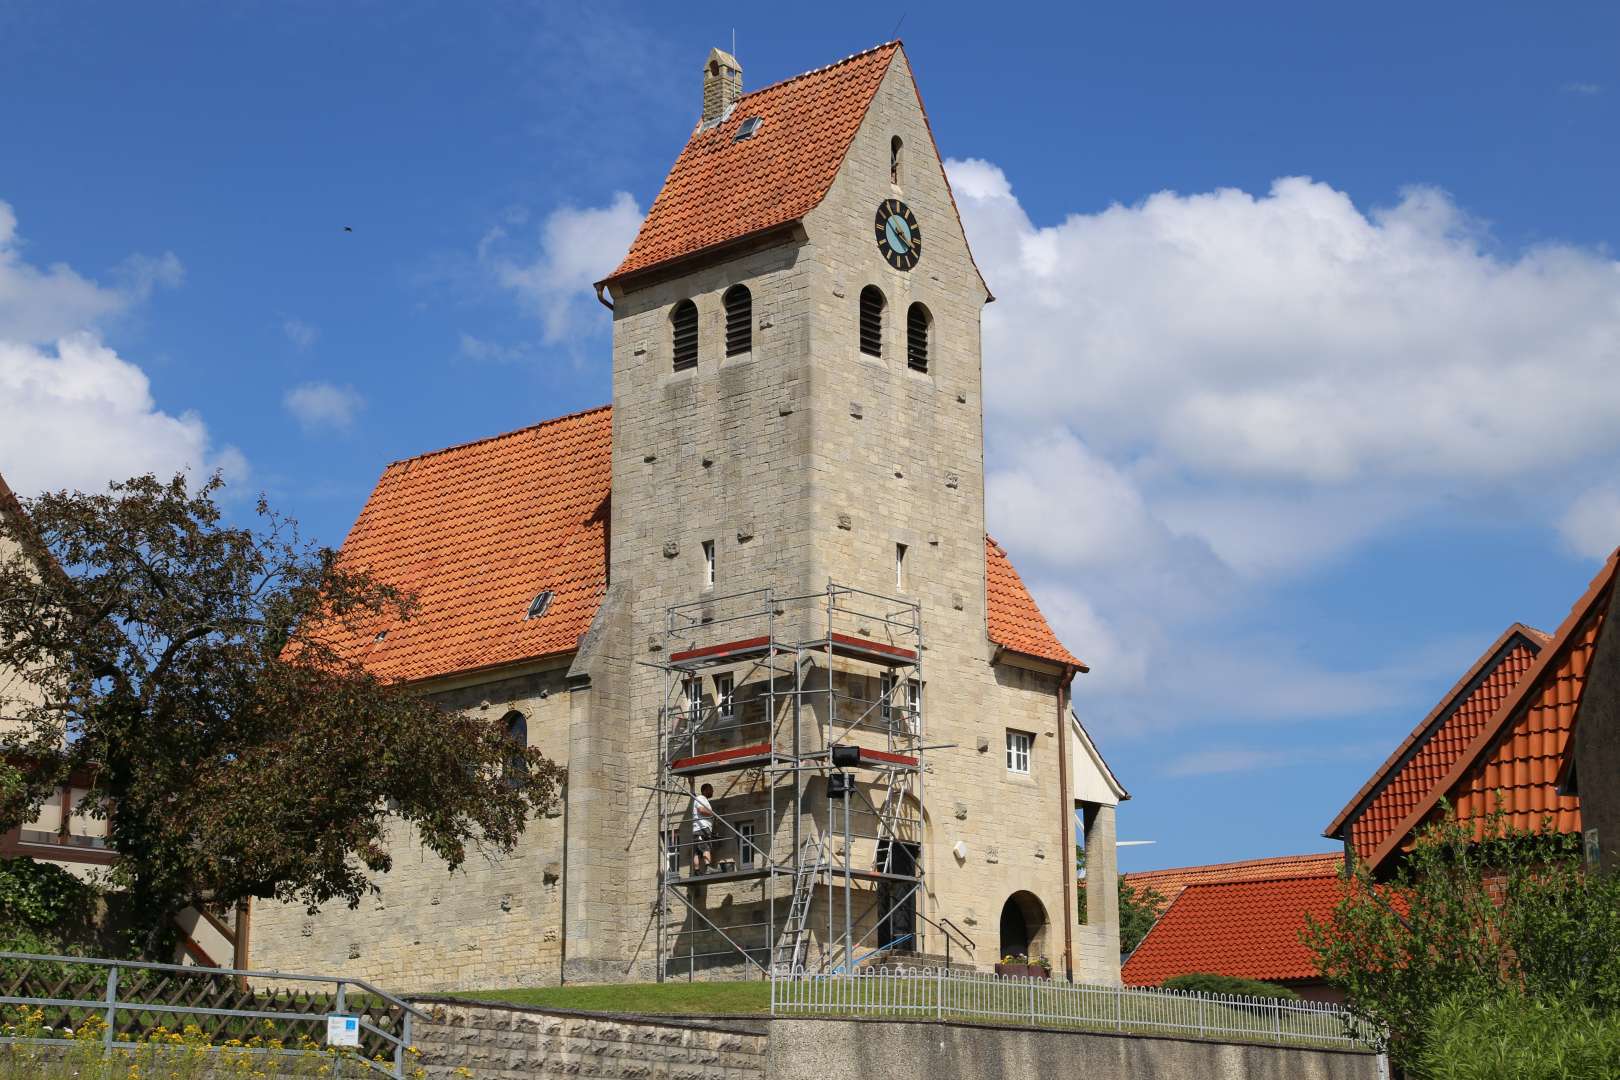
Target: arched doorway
point(1023, 925)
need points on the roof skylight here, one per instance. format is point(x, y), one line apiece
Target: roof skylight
point(748, 127)
point(539, 605)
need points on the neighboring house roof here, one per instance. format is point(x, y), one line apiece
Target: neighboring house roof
point(1246, 929)
point(477, 531)
point(720, 190)
point(1513, 762)
point(1169, 883)
point(1434, 746)
point(1015, 622)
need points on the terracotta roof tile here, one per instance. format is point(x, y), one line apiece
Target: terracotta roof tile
point(1434, 747)
point(1247, 929)
point(1514, 760)
point(476, 531)
point(720, 190)
point(1015, 622)
point(1169, 883)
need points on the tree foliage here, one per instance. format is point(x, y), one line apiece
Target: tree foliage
point(1138, 908)
point(1519, 1037)
point(1205, 983)
point(1474, 914)
point(196, 671)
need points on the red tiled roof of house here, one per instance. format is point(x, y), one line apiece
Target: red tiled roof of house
point(1169, 883)
point(720, 190)
point(1429, 752)
point(1514, 760)
point(1015, 622)
point(1247, 929)
point(476, 531)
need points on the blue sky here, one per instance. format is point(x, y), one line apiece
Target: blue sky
point(1317, 441)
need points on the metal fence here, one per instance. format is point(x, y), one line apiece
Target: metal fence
point(127, 1003)
point(939, 994)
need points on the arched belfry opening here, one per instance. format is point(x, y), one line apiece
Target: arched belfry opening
point(1023, 925)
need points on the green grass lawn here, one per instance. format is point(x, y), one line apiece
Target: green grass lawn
point(663, 999)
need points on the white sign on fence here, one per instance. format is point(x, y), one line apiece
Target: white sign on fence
point(342, 1030)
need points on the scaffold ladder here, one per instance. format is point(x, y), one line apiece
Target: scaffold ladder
point(789, 956)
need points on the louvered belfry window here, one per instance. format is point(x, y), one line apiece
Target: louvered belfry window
point(872, 321)
point(739, 304)
point(683, 324)
point(918, 323)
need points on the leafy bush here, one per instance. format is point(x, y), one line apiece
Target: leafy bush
point(1515, 1037)
point(43, 908)
point(1203, 983)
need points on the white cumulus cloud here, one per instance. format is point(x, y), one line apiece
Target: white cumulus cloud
point(576, 247)
point(318, 405)
point(1195, 396)
point(73, 413)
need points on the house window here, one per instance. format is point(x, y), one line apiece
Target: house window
point(872, 304)
point(900, 567)
point(708, 564)
point(724, 687)
point(745, 844)
point(895, 146)
point(683, 329)
point(913, 705)
point(886, 698)
point(739, 304)
point(672, 851)
point(1018, 743)
point(516, 766)
point(692, 691)
point(918, 323)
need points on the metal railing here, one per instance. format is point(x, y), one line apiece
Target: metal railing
point(938, 994)
point(127, 1002)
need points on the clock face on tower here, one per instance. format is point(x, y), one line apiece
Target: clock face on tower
point(898, 235)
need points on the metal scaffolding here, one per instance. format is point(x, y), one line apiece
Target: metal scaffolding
point(805, 714)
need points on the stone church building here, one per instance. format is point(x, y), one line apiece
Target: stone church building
point(764, 571)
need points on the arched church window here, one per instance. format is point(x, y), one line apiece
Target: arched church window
point(918, 323)
point(739, 303)
point(872, 305)
point(895, 146)
point(683, 327)
point(516, 767)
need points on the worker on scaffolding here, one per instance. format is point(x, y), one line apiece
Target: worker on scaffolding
point(703, 818)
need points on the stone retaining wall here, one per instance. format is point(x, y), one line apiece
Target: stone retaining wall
point(515, 1043)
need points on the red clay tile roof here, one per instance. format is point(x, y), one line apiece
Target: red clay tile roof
point(1434, 746)
point(1248, 929)
point(1169, 883)
point(1515, 758)
point(720, 190)
point(476, 531)
point(1014, 621)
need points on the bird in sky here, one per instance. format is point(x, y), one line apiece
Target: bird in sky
point(348, 228)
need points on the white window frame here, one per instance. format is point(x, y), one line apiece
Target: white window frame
point(725, 697)
point(692, 690)
point(1020, 744)
point(913, 699)
point(708, 564)
point(746, 831)
point(900, 567)
point(886, 687)
point(672, 851)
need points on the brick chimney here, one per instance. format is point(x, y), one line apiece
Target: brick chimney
point(722, 85)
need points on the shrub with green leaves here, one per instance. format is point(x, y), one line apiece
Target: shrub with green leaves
point(1205, 983)
point(1516, 1037)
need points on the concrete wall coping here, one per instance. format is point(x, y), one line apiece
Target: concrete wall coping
point(726, 1024)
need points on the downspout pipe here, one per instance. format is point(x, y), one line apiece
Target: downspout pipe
point(1066, 833)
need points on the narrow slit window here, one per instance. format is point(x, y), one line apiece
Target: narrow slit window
point(724, 698)
point(872, 304)
point(739, 303)
point(900, 567)
point(708, 564)
point(516, 767)
point(895, 146)
point(746, 831)
point(683, 328)
point(918, 323)
point(886, 698)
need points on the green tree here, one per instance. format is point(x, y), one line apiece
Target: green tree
point(196, 670)
point(1472, 915)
